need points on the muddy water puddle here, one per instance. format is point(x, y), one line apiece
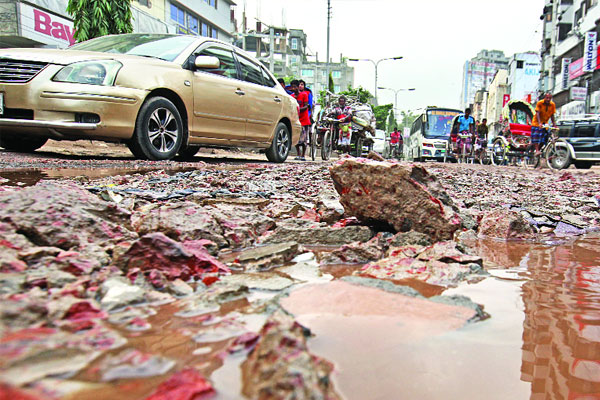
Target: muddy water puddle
point(542, 340)
point(31, 176)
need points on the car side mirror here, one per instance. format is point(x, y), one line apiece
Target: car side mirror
point(207, 62)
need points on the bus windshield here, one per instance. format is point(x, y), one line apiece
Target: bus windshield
point(439, 123)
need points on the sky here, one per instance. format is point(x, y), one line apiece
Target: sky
point(435, 37)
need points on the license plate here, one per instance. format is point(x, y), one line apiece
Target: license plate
point(1, 103)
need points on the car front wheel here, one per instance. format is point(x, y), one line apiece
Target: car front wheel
point(24, 144)
point(159, 130)
point(280, 147)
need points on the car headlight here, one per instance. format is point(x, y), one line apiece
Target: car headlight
point(90, 72)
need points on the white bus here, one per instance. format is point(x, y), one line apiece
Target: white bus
point(429, 134)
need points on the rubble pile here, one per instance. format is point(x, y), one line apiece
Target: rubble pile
point(96, 274)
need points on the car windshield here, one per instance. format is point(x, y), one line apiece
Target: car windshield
point(439, 123)
point(165, 47)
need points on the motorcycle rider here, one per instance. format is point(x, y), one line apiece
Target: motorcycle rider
point(343, 114)
point(395, 143)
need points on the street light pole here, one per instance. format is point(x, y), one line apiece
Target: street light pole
point(376, 64)
point(396, 91)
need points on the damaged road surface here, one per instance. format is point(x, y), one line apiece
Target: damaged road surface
point(357, 279)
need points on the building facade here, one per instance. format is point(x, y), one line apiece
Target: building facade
point(479, 72)
point(288, 56)
point(570, 68)
point(524, 76)
point(46, 23)
point(498, 95)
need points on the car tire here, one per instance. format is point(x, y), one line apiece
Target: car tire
point(23, 144)
point(134, 150)
point(557, 157)
point(159, 130)
point(583, 164)
point(281, 145)
point(189, 151)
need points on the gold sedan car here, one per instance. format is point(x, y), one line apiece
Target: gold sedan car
point(160, 94)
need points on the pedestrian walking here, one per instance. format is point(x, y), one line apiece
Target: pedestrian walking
point(303, 104)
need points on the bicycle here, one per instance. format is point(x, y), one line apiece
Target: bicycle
point(555, 156)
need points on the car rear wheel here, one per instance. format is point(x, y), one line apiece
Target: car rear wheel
point(159, 130)
point(24, 144)
point(280, 147)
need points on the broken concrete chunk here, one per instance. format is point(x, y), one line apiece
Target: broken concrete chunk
point(402, 196)
point(119, 293)
point(281, 367)
point(307, 232)
point(505, 224)
point(262, 257)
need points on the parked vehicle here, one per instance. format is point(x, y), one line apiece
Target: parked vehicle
point(578, 143)
point(429, 135)
point(161, 94)
point(379, 143)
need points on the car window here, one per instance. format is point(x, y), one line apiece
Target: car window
point(251, 72)
point(268, 81)
point(227, 67)
point(587, 130)
point(564, 130)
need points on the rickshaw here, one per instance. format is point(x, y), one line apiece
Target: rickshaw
point(512, 145)
point(326, 133)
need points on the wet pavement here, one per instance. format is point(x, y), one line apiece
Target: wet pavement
point(527, 324)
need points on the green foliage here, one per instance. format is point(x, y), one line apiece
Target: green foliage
point(331, 85)
point(391, 122)
point(382, 113)
point(94, 18)
point(364, 96)
point(407, 119)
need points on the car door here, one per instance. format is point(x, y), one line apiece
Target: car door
point(219, 98)
point(264, 101)
point(584, 139)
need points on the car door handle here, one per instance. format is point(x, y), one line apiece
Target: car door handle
point(240, 92)
point(277, 99)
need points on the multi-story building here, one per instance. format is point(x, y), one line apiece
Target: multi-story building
point(46, 23)
point(524, 76)
point(210, 18)
point(570, 68)
point(480, 104)
point(288, 56)
point(479, 72)
point(498, 95)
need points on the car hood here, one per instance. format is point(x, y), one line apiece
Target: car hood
point(65, 57)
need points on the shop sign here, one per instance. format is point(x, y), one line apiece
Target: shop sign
point(44, 27)
point(565, 72)
point(578, 93)
point(590, 52)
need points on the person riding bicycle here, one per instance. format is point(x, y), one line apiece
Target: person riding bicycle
point(395, 143)
point(343, 114)
point(466, 125)
point(544, 111)
point(482, 133)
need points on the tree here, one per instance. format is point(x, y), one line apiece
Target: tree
point(363, 95)
point(381, 114)
point(391, 122)
point(94, 18)
point(331, 85)
point(407, 119)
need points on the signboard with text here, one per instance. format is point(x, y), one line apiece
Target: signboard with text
point(565, 72)
point(578, 93)
point(45, 27)
point(590, 52)
point(505, 100)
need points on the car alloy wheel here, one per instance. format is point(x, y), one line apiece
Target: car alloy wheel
point(163, 130)
point(280, 147)
point(159, 130)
